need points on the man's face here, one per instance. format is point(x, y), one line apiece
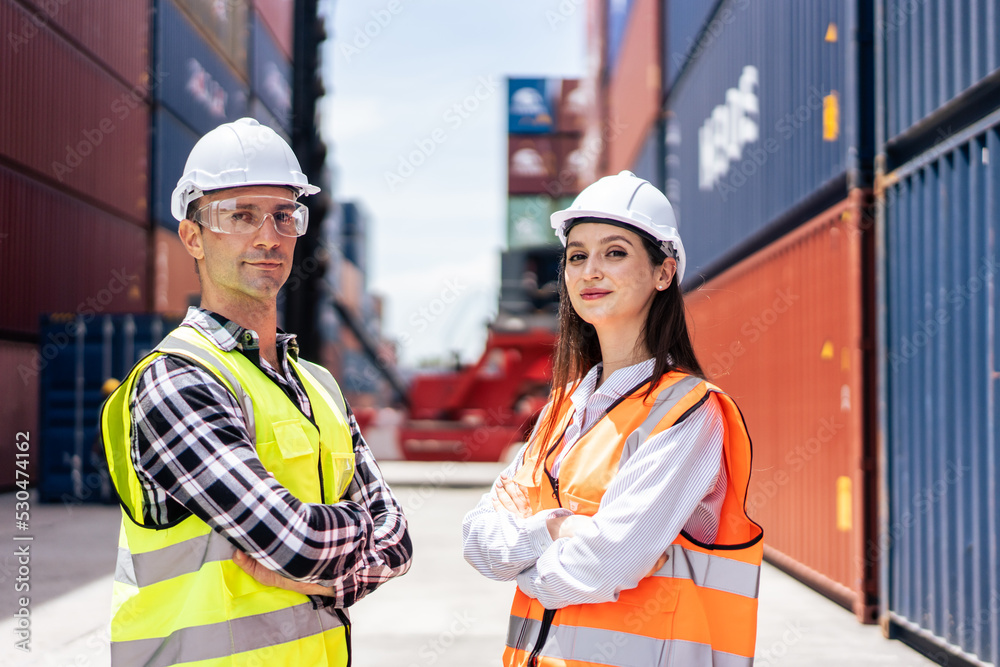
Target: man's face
point(238, 267)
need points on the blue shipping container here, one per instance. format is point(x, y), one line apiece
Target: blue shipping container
point(271, 74)
point(172, 142)
point(685, 29)
point(940, 398)
point(82, 352)
point(933, 51)
point(198, 85)
point(764, 121)
point(531, 105)
point(648, 164)
point(265, 117)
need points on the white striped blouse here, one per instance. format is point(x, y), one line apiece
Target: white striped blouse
point(672, 481)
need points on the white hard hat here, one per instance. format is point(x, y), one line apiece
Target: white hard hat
point(631, 200)
point(243, 152)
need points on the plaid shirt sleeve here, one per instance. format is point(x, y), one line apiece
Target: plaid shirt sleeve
point(194, 455)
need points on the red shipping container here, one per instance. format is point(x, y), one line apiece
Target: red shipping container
point(575, 163)
point(279, 16)
point(18, 411)
point(176, 283)
point(634, 87)
point(115, 31)
point(66, 119)
point(531, 164)
point(59, 254)
point(575, 102)
point(782, 333)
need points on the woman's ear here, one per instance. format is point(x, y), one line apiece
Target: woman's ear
point(665, 273)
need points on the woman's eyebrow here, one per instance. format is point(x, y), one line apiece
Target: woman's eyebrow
point(605, 240)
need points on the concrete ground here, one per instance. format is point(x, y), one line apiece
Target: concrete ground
point(441, 613)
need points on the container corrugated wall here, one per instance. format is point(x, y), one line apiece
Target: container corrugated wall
point(61, 254)
point(199, 87)
point(66, 119)
point(934, 50)
point(224, 24)
point(175, 283)
point(634, 99)
point(939, 356)
point(172, 142)
point(279, 15)
point(685, 30)
point(782, 332)
point(115, 31)
point(19, 366)
point(764, 120)
point(271, 73)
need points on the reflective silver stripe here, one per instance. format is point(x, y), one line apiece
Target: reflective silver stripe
point(723, 574)
point(666, 400)
point(617, 649)
point(175, 344)
point(327, 381)
point(184, 557)
point(205, 642)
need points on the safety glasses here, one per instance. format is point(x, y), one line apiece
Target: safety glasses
point(246, 214)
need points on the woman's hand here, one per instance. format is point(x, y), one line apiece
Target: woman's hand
point(270, 578)
point(511, 497)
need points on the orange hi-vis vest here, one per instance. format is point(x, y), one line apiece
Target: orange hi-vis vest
point(700, 608)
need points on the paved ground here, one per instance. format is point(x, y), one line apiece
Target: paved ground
point(441, 613)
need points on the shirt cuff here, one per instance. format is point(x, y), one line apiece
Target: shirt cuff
point(537, 530)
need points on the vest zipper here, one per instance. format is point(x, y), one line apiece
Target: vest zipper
point(543, 634)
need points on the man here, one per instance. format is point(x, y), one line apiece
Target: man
point(253, 511)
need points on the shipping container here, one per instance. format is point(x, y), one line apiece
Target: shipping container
point(172, 142)
point(116, 32)
point(687, 27)
point(531, 106)
point(634, 90)
point(19, 411)
point(595, 126)
point(223, 24)
point(528, 224)
point(58, 253)
point(575, 101)
point(532, 165)
point(81, 353)
point(280, 17)
point(271, 74)
point(199, 87)
point(649, 163)
point(64, 118)
point(529, 280)
point(784, 333)
point(940, 59)
point(938, 351)
point(265, 117)
point(573, 165)
point(354, 234)
point(617, 26)
point(175, 283)
point(769, 126)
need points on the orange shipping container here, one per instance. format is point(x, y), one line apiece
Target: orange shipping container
point(634, 87)
point(784, 333)
point(174, 277)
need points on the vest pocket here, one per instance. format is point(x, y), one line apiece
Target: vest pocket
point(578, 505)
point(292, 439)
point(339, 471)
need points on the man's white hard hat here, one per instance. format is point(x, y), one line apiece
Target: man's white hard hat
point(630, 200)
point(243, 152)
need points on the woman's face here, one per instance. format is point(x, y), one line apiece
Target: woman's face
point(609, 276)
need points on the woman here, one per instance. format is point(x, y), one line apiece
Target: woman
point(623, 517)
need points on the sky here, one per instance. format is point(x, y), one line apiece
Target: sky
point(415, 117)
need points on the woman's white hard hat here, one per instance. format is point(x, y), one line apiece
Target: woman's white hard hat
point(630, 200)
point(243, 152)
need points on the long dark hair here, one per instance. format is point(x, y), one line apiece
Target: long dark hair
point(578, 349)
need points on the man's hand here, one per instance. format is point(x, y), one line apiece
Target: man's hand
point(270, 578)
point(511, 497)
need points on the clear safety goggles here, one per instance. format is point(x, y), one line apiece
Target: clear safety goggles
point(246, 214)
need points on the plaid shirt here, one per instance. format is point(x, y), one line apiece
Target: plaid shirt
point(193, 455)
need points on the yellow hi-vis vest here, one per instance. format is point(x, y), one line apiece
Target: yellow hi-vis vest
point(700, 608)
point(178, 596)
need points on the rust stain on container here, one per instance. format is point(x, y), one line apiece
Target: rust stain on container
point(765, 331)
point(72, 122)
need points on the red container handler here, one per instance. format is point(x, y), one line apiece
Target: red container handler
point(784, 333)
point(115, 32)
point(59, 254)
point(18, 410)
point(64, 118)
